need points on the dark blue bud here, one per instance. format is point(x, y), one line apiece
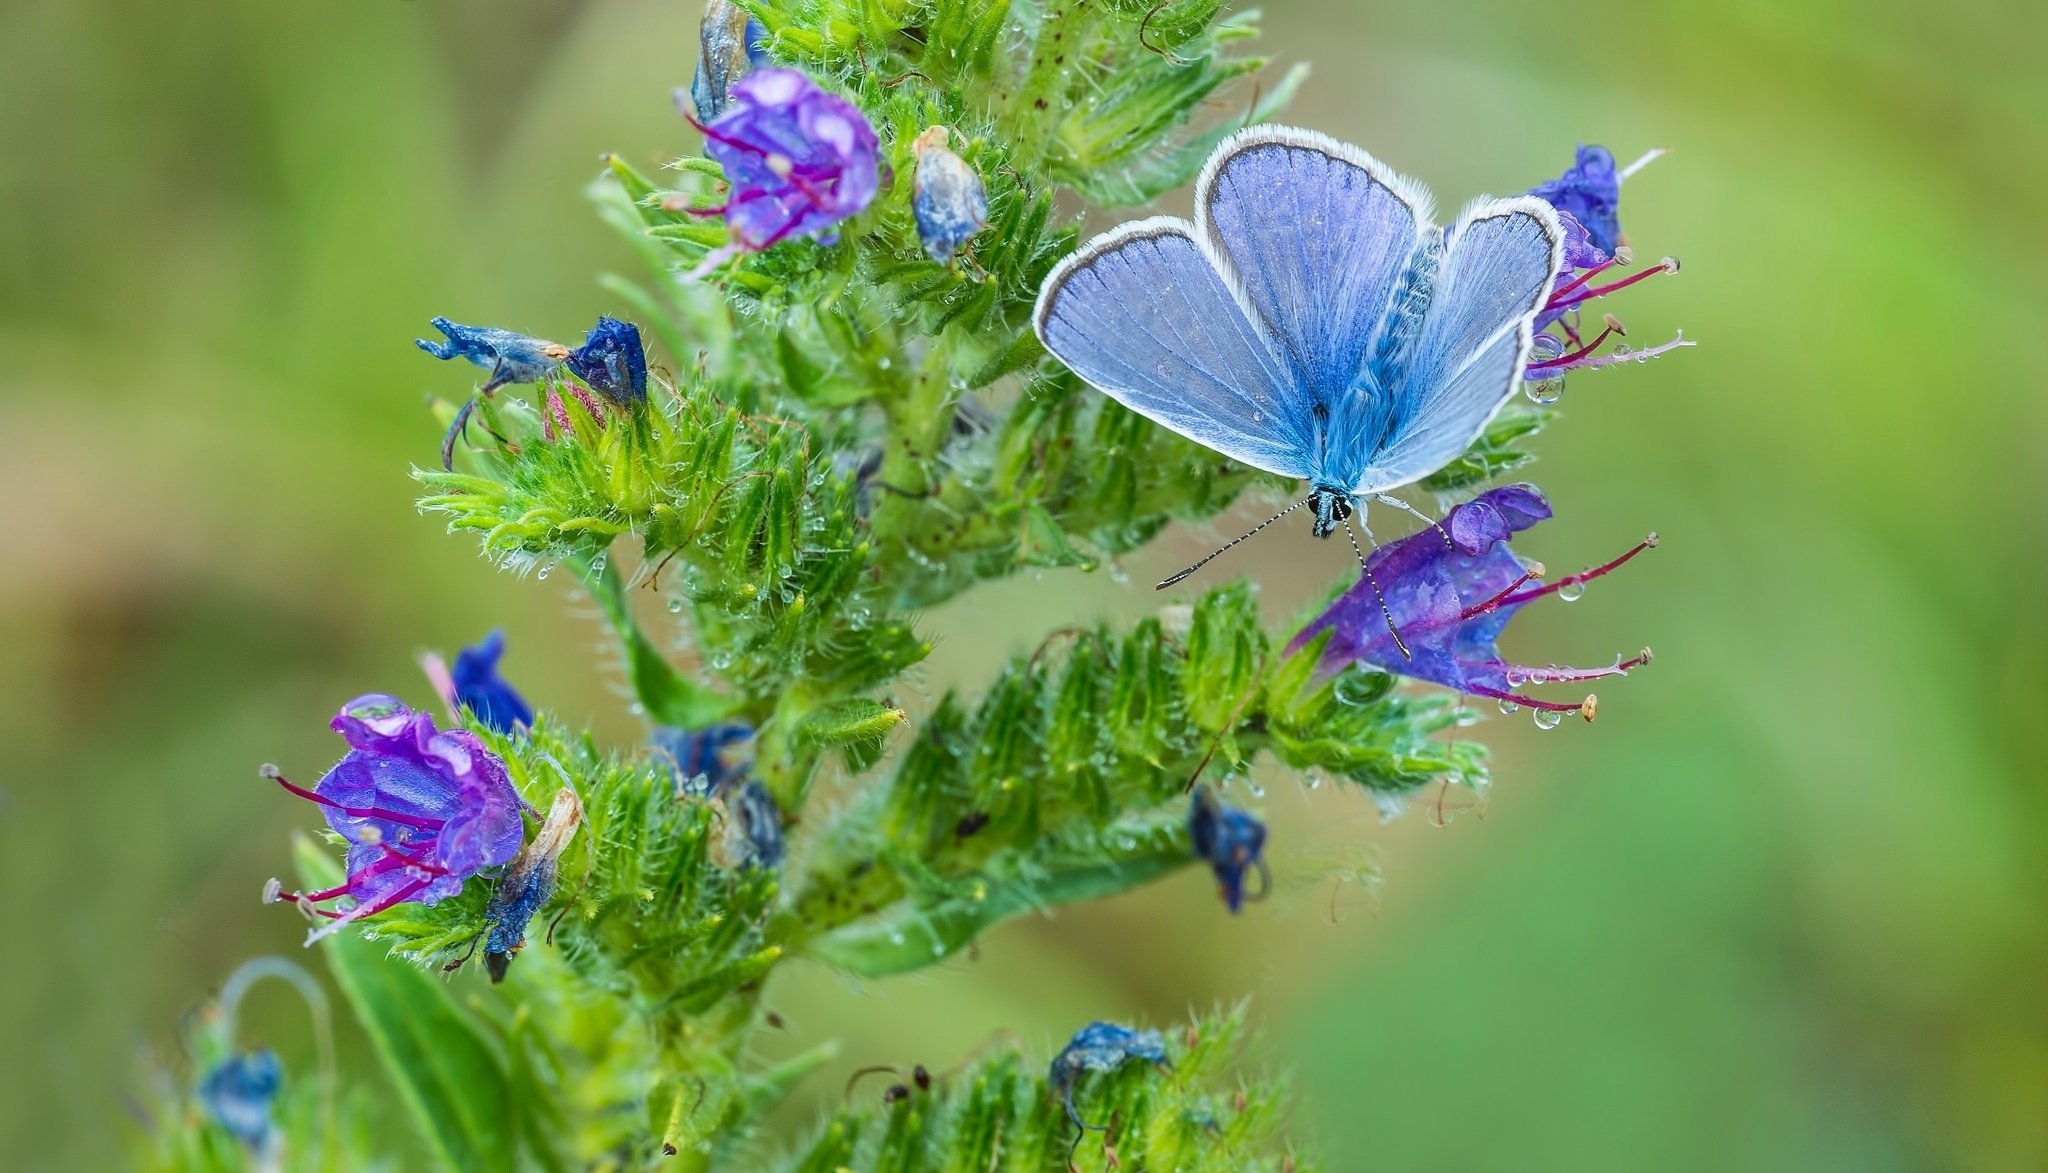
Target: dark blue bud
point(478, 687)
point(240, 1093)
point(1231, 841)
point(701, 759)
point(612, 361)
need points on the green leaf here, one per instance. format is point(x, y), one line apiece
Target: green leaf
point(664, 694)
point(443, 1067)
point(1045, 544)
point(917, 931)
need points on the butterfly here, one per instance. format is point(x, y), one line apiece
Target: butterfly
point(1310, 321)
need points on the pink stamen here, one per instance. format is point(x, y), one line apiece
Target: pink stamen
point(392, 855)
point(1530, 575)
point(1560, 302)
point(1566, 289)
point(1527, 701)
point(359, 812)
point(1584, 576)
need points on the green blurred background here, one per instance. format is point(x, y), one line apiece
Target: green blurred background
point(1780, 909)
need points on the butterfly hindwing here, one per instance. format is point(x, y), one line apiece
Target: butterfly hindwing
point(1144, 314)
point(1500, 262)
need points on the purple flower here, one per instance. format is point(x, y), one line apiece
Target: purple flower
point(948, 198)
point(1588, 200)
point(1451, 590)
point(528, 884)
point(422, 810)
point(1231, 842)
point(474, 684)
point(1590, 192)
point(702, 760)
point(612, 361)
point(1099, 1046)
point(239, 1095)
point(731, 44)
point(799, 160)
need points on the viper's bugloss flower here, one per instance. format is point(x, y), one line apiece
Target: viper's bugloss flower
point(799, 160)
point(1231, 842)
point(422, 810)
point(474, 684)
point(1590, 192)
point(1588, 201)
point(240, 1093)
point(509, 356)
point(1100, 1046)
point(731, 44)
point(612, 361)
point(704, 760)
point(529, 883)
point(753, 827)
point(947, 197)
point(1451, 590)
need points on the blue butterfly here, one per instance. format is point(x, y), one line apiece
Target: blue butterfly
point(1311, 321)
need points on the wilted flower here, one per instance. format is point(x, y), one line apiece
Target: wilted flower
point(1100, 1046)
point(753, 827)
point(1231, 842)
point(509, 356)
point(240, 1093)
point(948, 198)
point(799, 160)
point(612, 361)
point(422, 810)
point(529, 883)
point(474, 684)
point(1588, 200)
point(702, 760)
point(730, 46)
point(1451, 600)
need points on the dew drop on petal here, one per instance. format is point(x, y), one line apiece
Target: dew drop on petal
point(1571, 592)
point(1546, 718)
point(1509, 708)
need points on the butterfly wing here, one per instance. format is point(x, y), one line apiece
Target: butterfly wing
point(1500, 262)
point(1319, 236)
point(1144, 313)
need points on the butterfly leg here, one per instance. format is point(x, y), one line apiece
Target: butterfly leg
point(1378, 595)
point(1412, 511)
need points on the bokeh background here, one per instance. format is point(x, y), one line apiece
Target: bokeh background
point(1781, 909)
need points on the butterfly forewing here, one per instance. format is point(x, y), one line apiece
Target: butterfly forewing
point(1144, 314)
point(1317, 235)
point(1499, 265)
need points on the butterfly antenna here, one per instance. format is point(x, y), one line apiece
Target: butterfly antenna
point(1372, 582)
point(1419, 515)
point(1182, 576)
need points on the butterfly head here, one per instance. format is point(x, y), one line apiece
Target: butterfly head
point(1331, 508)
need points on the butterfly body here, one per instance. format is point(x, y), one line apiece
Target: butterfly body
point(1310, 320)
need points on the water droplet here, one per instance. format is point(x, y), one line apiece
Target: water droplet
point(675, 606)
point(542, 574)
point(1546, 718)
point(1254, 789)
point(1315, 781)
point(1571, 592)
point(1544, 391)
point(1509, 708)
